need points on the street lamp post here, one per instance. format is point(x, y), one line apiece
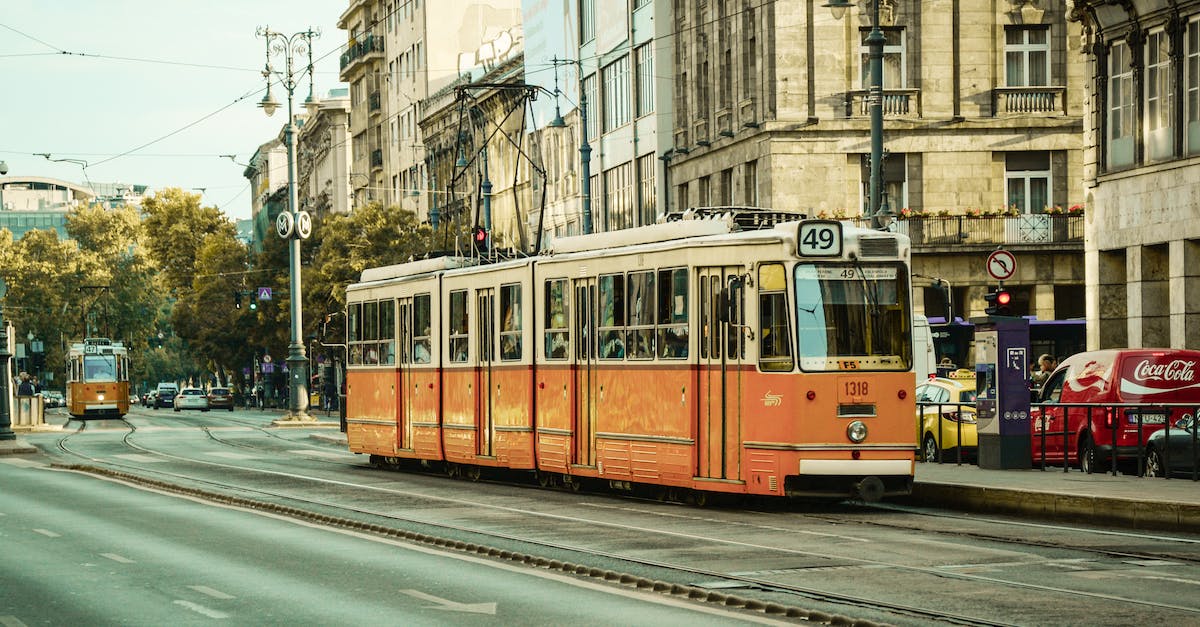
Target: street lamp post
point(6, 432)
point(293, 225)
point(875, 40)
point(585, 149)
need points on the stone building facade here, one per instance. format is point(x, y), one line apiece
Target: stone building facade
point(983, 115)
point(1142, 172)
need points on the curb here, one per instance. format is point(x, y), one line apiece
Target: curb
point(1158, 515)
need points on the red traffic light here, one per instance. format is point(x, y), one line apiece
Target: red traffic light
point(480, 235)
point(997, 302)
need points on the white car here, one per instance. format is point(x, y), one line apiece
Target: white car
point(191, 398)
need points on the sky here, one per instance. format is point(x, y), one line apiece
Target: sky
point(151, 92)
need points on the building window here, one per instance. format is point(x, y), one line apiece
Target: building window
point(618, 192)
point(893, 59)
point(895, 183)
point(616, 94)
point(647, 208)
point(587, 21)
point(1027, 57)
point(1191, 86)
point(1120, 106)
point(1027, 181)
point(704, 193)
point(644, 56)
point(750, 183)
point(726, 190)
point(589, 90)
point(1160, 96)
point(749, 51)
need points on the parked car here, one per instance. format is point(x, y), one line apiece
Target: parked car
point(1174, 451)
point(191, 398)
point(1125, 387)
point(220, 398)
point(946, 407)
point(165, 395)
point(53, 398)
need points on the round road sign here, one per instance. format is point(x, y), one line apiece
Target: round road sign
point(1001, 265)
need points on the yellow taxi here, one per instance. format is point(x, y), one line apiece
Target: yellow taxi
point(946, 408)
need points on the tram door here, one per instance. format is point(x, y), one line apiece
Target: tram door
point(583, 414)
point(407, 384)
point(485, 315)
point(721, 352)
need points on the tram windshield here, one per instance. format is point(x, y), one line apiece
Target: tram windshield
point(100, 367)
point(853, 317)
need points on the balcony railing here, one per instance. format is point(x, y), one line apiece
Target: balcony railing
point(901, 103)
point(1028, 100)
point(1035, 228)
point(373, 102)
point(359, 49)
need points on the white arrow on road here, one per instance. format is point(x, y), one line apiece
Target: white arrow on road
point(446, 604)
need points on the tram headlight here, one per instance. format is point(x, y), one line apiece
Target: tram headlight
point(856, 431)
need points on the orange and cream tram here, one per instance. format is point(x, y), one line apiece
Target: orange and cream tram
point(97, 379)
point(746, 352)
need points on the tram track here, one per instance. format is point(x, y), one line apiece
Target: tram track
point(542, 552)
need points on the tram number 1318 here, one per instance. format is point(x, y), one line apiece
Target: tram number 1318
point(820, 238)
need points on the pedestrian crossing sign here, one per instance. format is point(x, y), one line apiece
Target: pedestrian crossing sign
point(264, 293)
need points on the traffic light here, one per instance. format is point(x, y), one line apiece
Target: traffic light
point(997, 300)
point(237, 300)
point(479, 236)
point(253, 301)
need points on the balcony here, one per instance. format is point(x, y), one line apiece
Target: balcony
point(360, 50)
point(897, 103)
point(373, 102)
point(988, 231)
point(1030, 100)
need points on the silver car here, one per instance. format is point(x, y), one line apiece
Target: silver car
point(191, 398)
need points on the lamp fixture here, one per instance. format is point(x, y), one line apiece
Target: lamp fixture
point(838, 7)
point(268, 103)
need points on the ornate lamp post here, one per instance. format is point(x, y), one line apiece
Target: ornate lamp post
point(292, 225)
point(875, 40)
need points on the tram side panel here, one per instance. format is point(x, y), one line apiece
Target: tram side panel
point(371, 410)
point(644, 420)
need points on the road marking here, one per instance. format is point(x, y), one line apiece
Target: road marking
point(47, 533)
point(453, 606)
point(319, 453)
point(139, 457)
point(231, 455)
point(11, 621)
point(117, 558)
point(200, 609)
point(216, 594)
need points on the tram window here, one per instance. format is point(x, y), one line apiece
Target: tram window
point(556, 319)
point(774, 346)
point(421, 318)
point(736, 347)
point(640, 336)
point(387, 332)
point(458, 326)
point(510, 325)
point(354, 332)
point(612, 317)
point(99, 368)
point(672, 314)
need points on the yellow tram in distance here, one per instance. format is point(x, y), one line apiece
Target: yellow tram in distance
point(97, 379)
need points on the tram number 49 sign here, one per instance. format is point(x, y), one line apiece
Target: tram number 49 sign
point(819, 238)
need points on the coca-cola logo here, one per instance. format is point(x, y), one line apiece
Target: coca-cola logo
point(1175, 370)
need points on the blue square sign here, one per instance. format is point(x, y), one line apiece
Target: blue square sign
point(264, 293)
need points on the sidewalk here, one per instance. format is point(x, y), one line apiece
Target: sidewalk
point(1124, 500)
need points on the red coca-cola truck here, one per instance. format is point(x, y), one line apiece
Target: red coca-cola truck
point(1096, 400)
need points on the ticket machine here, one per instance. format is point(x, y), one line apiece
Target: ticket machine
point(1002, 392)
